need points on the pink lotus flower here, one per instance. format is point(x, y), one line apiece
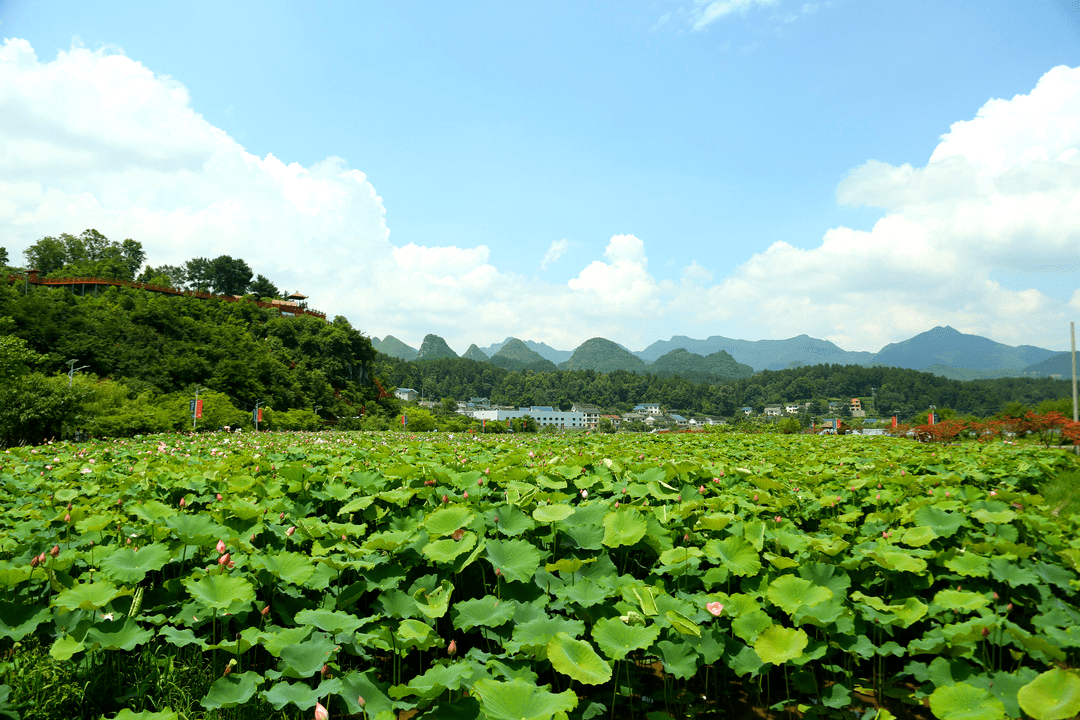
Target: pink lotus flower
point(715, 608)
point(320, 712)
point(221, 546)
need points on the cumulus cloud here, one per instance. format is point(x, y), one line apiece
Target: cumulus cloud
point(557, 250)
point(709, 12)
point(95, 139)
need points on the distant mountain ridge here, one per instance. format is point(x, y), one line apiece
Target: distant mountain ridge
point(942, 351)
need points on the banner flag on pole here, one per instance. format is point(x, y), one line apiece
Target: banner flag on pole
point(198, 409)
point(191, 407)
point(894, 421)
point(404, 420)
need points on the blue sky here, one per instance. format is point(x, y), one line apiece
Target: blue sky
point(558, 171)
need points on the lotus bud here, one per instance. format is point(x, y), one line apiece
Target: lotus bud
point(35, 561)
point(183, 503)
point(465, 495)
point(498, 572)
point(996, 596)
point(224, 559)
point(445, 499)
point(218, 496)
point(281, 516)
point(496, 518)
point(993, 493)
point(985, 632)
point(265, 611)
point(320, 712)
point(360, 701)
point(624, 491)
point(290, 531)
point(480, 481)
point(67, 517)
point(228, 669)
point(686, 537)
point(55, 551)
point(451, 649)
point(1009, 607)
point(616, 504)
point(220, 546)
point(584, 494)
point(344, 539)
point(325, 670)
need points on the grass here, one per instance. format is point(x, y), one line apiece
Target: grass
point(1063, 493)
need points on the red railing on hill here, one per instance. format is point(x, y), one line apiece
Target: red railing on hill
point(33, 279)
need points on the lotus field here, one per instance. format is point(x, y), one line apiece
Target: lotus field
point(384, 576)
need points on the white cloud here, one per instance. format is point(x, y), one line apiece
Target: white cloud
point(95, 139)
point(557, 250)
point(709, 12)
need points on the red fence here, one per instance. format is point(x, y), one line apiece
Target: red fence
point(33, 279)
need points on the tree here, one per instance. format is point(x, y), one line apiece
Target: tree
point(197, 274)
point(89, 254)
point(3, 256)
point(261, 287)
point(47, 255)
point(168, 275)
point(229, 276)
point(449, 404)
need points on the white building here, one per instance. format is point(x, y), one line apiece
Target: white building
point(648, 408)
point(544, 416)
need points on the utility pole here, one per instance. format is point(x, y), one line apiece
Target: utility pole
point(72, 370)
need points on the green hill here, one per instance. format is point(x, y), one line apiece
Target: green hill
point(717, 366)
point(475, 353)
point(434, 348)
point(393, 347)
point(516, 356)
point(603, 355)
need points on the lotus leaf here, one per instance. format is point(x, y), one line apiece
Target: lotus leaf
point(125, 565)
point(516, 559)
point(679, 659)
point(521, 700)
point(1053, 695)
point(616, 639)
point(969, 565)
point(577, 659)
point(332, 621)
point(87, 596)
point(778, 645)
point(552, 513)
point(487, 611)
point(964, 701)
point(791, 593)
point(220, 592)
point(735, 554)
point(232, 690)
point(446, 520)
point(118, 635)
point(623, 527)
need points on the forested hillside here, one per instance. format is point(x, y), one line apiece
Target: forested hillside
point(905, 393)
point(143, 354)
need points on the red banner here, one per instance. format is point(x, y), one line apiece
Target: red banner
point(198, 409)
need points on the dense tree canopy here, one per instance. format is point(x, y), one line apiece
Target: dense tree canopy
point(90, 254)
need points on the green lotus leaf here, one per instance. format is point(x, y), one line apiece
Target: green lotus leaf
point(535, 634)
point(714, 521)
point(623, 527)
point(512, 521)
point(577, 659)
point(777, 645)
point(12, 575)
point(523, 700)
point(220, 592)
point(127, 565)
point(127, 636)
point(943, 523)
point(65, 647)
point(678, 555)
point(791, 593)
point(290, 567)
point(516, 559)
point(298, 694)
point(969, 565)
point(1010, 572)
point(303, 659)
point(487, 611)
point(195, 529)
point(181, 638)
point(616, 639)
point(960, 600)
point(646, 599)
point(413, 633)
point(166, 714)
point(999, 517)
point(735, 554)
point(683, 624)
point(152, 511)
point(585, 527)
point(19, 619)
point(355, 685)
point(1053, 695)
point(446, 520)
point(586, 593)
point(95, 523)
point(569, 565)
point(437, 680)
point(679, 659)
point(332, 621)
point(435, 603)
point(837, 696)
point(749, 625)
point(918, 536)
point(276, 642)
point(552, 513)
point(447, 549)
point(232, 690)
point(964, 701)
point(87, 596)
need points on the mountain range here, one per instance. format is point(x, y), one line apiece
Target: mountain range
point(943, 351)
